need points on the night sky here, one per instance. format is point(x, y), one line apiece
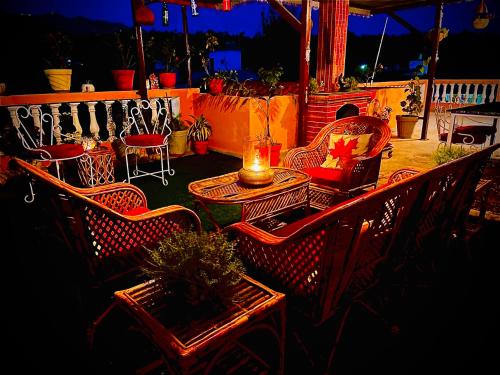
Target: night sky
point(246, 18)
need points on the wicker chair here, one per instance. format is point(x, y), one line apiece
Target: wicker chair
point(327, 261)
point(357, 174)
point(105, 229)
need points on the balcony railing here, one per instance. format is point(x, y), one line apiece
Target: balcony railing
point(466, 91)
point(93, 110)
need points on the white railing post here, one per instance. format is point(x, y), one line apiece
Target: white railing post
point(110, 124)
point(125, 123)
point(76, 121)
point(54, 109)
point(94, 126)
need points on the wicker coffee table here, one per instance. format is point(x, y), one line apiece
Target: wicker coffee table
point(289, 190)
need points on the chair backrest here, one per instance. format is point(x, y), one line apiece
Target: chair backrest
point(348, 125)
point(93, 222)
point(36, 128)
point(340, 251)
point(151, 116)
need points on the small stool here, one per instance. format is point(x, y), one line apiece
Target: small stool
point(96, 168)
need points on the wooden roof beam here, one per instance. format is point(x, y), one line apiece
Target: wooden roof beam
point(404, 23)
point(286, 14)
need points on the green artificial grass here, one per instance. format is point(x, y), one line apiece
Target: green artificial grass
point(187, 169)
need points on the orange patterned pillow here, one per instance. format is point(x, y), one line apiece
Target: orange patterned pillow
point(345, 146)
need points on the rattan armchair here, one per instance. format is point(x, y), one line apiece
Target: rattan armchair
point(105, 228)
point(358, 173)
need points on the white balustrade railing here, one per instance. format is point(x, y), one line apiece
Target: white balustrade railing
point(53, 113)
point(466, 91)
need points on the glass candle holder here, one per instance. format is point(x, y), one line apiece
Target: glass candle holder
point(256, 162)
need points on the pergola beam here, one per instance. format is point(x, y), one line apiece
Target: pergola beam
point(286, 14)
point(404, 23)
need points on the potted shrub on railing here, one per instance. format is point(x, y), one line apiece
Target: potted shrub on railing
point(412, 106)
point(212, 83)
point(199, 132)
point(124, 74)
point(168, 56)
point(58, 60)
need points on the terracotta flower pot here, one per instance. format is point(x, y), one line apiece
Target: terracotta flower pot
point(275, 154)
point(168, 80)
point(406, 124)
point(59, 79)
point(216, 85)
point(124, 78)
point(201, 148)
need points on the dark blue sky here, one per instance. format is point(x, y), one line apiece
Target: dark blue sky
point(246, 18)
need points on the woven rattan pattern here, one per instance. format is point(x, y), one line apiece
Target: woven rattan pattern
point(228, 188)
point(346, 245)
point(193, 344)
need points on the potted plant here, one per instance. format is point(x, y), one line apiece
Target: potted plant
point(445, 154)
point(178, 138)
point(124, 74)
point(199, 132)
point(214, 83)
point(58, 61)
point(168, 55)
point(196, 269)
point(270, 78)
point(412, 106)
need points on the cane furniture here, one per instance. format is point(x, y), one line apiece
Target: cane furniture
point(96, 167)
point(357, 172)
point(289, 190)
point(212, 342)
point(105, 228)
point(328, 260)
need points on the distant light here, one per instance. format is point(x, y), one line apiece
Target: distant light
point(363, 67)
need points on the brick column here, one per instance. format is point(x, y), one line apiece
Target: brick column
point(332, 38)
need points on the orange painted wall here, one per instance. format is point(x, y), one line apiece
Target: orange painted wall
point(233, 118)
point(391, 97)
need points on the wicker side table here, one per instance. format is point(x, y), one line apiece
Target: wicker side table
point(96, 168)
point(226, 341)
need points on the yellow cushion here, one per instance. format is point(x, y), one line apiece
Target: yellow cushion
point(345, 146)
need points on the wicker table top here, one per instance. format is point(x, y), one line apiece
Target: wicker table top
point(227, 189)
point(147, 303)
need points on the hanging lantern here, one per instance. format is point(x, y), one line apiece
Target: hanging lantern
point(226, 5)
point(164, 14)
point(143, 16)
point(194, 11)
point(482, 16)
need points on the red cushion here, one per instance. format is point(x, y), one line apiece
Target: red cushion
point(137, 211)
point(478, 132)
point(62, 151)
point(145, 140)
point(325, 176)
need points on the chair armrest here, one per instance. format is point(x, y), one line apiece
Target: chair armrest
point(304, 157)
point(402, 174)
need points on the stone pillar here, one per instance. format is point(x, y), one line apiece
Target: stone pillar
point(332, 39)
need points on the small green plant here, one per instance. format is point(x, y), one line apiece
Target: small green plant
point(348, 83)
point(123, 41)
point(271, 79)
point(315, 86)
point(412, 106)
point(59, 48)
point(177, 123)
point(199, 129)
point(195, 267)
point(445, 154)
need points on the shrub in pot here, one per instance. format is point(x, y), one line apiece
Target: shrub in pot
point(123, 75)
point(412, 106)
point(199, 132)
point(178, 139)
point(197, 269)
point(168, 56)
point(58, 61)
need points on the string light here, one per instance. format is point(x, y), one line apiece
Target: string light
point(194, 11)
point(164, 14)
